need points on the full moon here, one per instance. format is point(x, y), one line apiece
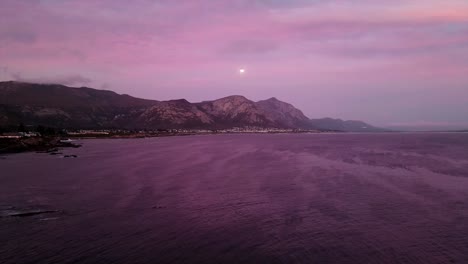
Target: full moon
point(241, 71)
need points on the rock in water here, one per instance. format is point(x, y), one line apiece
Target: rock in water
point(12, 212)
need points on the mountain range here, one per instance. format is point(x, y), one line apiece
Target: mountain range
point(86, 108)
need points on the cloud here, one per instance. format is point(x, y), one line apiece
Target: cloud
point(64, 79)
point(250, 46)
point(24, 37)
point(105, 86)
point(306, 48)
point(177, 31)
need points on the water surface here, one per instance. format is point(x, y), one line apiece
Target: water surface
point(299, 198)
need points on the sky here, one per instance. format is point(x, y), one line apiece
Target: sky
point(391, 63)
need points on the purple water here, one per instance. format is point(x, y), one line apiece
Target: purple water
point(299, 198)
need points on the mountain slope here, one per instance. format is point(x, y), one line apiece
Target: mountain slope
point(173, 114)
point(283, 113)
point(62, 106)
point(234, 111)
point(15, 93)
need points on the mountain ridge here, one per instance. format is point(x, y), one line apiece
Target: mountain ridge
point(88, 108)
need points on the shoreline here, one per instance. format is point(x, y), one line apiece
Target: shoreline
point(51, 144)
point(37, 144)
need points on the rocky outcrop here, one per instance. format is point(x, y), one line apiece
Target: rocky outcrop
point(235, 110)
point(48, 144)
point(174, 114)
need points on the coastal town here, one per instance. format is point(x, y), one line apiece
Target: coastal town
point(91, 133)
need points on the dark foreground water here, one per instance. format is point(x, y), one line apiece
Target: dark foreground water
point(318, 198)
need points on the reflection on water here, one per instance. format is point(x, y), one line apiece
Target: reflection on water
point(319, 198)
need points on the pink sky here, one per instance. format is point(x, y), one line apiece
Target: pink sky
point(385, 62)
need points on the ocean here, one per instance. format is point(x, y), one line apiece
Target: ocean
point(273, 198)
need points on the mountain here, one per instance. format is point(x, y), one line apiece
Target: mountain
point(235, 111)
point(173, 114)
point(284, 113)
point(343, 125)
point(86, 108)
point(61, 106)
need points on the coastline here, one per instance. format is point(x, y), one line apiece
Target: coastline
point(38, 144)
point(51, 144)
